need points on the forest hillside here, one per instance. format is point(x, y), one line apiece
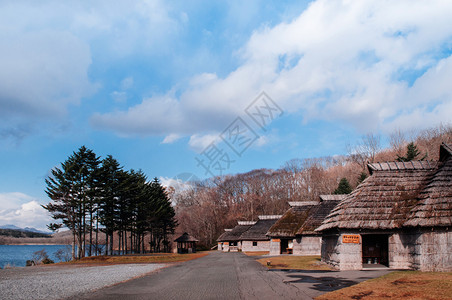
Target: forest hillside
point(206, 208)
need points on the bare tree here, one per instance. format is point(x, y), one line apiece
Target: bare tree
point(366, 150)
point(397, 140)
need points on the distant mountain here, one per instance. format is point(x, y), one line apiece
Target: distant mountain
point(10, 226)
point(27, 229)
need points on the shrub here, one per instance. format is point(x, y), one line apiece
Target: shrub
point(47, 261)
point(40, 256)
point(29, 263)
point(64, 254)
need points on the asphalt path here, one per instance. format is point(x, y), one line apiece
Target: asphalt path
point(230, 276)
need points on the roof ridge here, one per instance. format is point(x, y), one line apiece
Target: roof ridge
point(246, 222)
point(269, 217)
point(302, 203)
point(332, 197)
point(400, 165)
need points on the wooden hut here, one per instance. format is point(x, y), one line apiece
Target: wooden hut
point(186, 243)
point(295, 232)
point(307, 240)
point(399, 217)
point(230, 240)
point(283, 232)
point(255, 238)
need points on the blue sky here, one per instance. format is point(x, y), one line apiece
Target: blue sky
point(158, 85)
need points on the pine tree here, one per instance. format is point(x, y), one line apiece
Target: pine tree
point(362, 177)
point(85, 195)
point(343, 187)
point(71, 190)
point(411, 153)
point(112, 175)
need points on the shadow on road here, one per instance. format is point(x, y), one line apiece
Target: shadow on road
point(323, 283)
point(317, 282)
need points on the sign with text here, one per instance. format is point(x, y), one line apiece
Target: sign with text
point(350, 238)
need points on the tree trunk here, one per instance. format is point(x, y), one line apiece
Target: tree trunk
point(90, 232)
point(111, 243)
point(97, 237)
point(73, 245)
point(107, 245)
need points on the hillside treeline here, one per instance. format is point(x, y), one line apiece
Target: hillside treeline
point(92, 196)
point(206, 208)
point(22, 234)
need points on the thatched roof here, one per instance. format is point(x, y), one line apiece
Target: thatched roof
point(434, 207)
point(292, 220)
point(258, 231)
point(401, 165)
point(234, 234)
point(319, 212)
point(398, 194)
point(185, 238)
point(332, 197)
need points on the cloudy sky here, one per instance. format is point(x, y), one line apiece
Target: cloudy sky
point(209, 87)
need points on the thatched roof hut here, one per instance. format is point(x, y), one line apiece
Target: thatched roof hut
point(291, 221)
point(258, 231)
point(318, 213)
point(434, 206)
point(384, 200)
point(233, 235)
point(401, 217)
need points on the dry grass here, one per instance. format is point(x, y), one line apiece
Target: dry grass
point(256, 253)
point(294, 263)
point(136, 259)
point(399, 285)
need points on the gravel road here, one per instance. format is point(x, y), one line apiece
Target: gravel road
point(58, 282)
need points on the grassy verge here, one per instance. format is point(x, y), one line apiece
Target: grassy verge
point(256, 253)
point(294, 263)
point(399, 285)
point(136, 259)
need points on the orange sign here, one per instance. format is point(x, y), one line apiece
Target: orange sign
point(350, 238)
point(276, 240)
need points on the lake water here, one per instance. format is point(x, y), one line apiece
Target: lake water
point(17, 255)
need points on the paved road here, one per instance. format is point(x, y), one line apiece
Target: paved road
point(229, 276)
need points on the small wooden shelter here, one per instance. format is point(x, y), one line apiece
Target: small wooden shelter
point(399, 217)
point(186, 243)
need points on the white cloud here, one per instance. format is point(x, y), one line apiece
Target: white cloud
point(261, 141)
point(358, 62)
point(119, 96)
point(46, 52)
point(42, 72)
point(169, 139)
point(10, 201)
point(127, 83)
point(200, 142)
point(155, 115)
point(176, 183)
point(23, 211)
